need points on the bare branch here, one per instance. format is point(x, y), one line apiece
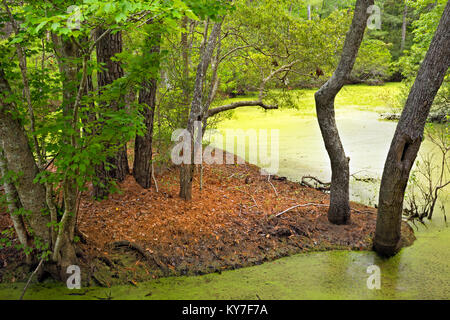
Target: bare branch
point(239, 104)
point(233, 51)
point(285, 68)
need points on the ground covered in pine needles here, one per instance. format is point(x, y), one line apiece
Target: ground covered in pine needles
point(239, 218)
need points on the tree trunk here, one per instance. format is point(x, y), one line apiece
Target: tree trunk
point(339, 211)
point(64, 247)
point(197, 112)
point(408, 138)
point(87, 110)
point(13, 204)
point(142, 168)
point(143, 148)
point(107, 48)
point(404, 24)
point(64, 250)
point(20, 159)
point(185, 56)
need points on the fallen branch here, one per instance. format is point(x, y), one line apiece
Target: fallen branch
point(302, 205)
point(364, 179)
point(274, 189)
point(323, 186)
point(360, 212)
point(31, 277)
point(154, 179)
point(255, 201)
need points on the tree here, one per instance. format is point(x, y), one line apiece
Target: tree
point(14, 206)
point(373, 62)
point(68, 53)
point(206, 86)
point(107, 48)
point(428, 14)
point(197, 111)
point(408, 139)
point(74, 135)
point(404, 25)
point(142, 168)
point(339, 211)
point(394, 30)
point(18, 157)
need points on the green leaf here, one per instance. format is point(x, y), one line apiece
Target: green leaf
point(64, 31)
point(40, 26)
point(55, 26)
point(121, 17)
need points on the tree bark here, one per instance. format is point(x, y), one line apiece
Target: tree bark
point(107, 48)
point(64, 250)
point(14, 204)
point(143, 153)
point(20, 160)
point(143, 148)
point(408, 139)
point(339, 211)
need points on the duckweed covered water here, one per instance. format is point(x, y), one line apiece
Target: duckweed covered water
point(418, 272)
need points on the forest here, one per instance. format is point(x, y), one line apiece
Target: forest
point(224, 149)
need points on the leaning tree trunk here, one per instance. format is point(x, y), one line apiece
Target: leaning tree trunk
point(339, 211)
point(408, 138)
point(20, 159)
point(14, 205)
point(196, 112)
point(107, 48)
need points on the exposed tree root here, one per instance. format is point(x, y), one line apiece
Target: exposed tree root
point(106, 261)
point(320, 185)
point(302, 205)
point(139, 249)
